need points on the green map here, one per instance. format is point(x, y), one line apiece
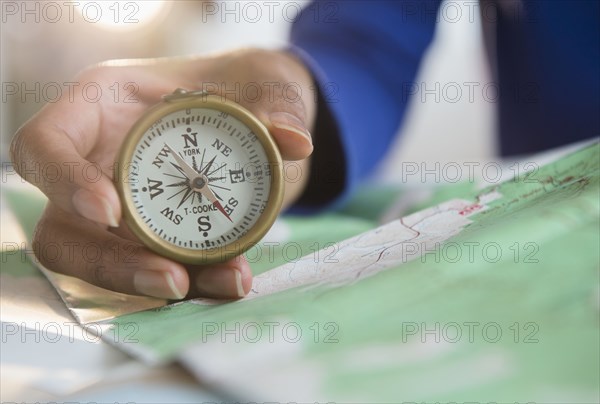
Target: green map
point(488, 295)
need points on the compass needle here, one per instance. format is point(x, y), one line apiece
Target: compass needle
point(211, 197)
point(187, 170)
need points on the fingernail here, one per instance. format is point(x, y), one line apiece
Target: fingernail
point(238, 284)
point(221, 282)
point(94, 207)
point(156, 284)
point(287, 121)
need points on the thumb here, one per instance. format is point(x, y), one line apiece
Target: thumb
point(290, 134)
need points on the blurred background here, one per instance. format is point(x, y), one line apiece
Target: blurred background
point(45, 43)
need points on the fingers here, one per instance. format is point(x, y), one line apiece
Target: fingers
point(286, 122)
point(50, 157)
point(75, 247)
point(291, 115)
point(290, 134)
point(277, 89)
point(230, 279)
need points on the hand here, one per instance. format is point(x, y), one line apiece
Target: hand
point(80, 139)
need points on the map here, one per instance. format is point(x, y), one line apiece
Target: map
point(471, 294)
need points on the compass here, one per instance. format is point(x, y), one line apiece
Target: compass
point(200, 178)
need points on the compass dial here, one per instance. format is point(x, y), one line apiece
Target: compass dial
point(201, 182)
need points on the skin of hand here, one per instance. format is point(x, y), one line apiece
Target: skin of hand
point(81, 138)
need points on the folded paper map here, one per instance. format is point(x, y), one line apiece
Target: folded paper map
point(472, 294)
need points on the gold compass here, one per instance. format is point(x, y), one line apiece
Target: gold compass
point(200, 178)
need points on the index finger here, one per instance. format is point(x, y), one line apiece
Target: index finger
point(48, 151)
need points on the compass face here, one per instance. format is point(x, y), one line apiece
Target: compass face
point(197, 183)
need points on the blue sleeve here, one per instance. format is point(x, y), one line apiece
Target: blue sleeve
point(548, 69)
point(364, 56)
